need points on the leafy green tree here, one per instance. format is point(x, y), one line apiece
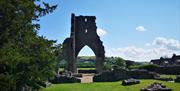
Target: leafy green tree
point(59, 56)
point(107, 67)
point(120, 62)
point(26, 59)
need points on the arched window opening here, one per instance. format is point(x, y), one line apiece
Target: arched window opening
point(86, 60)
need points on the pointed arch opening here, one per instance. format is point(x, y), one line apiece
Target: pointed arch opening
point(86, 60)
point(86, 51)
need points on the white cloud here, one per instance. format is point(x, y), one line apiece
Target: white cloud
point(101, 32)
point(159, 47)
point(168, 43)
point(140, 28)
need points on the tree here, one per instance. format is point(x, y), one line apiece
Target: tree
point(26, 59)
point(59, 56)
point(120, 62)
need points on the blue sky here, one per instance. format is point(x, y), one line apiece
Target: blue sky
point(137, 30)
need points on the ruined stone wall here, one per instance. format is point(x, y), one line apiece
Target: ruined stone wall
point(83, 33)
point(121, 74)
point(174, 70)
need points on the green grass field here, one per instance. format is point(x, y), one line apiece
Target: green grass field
point(62, 69)
point(86, 68)
point(107, 86)
point(168, 76)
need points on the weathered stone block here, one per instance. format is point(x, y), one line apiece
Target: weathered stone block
point(156, 87)
point(130, 81)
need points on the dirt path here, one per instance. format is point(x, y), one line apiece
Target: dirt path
point(87, 78)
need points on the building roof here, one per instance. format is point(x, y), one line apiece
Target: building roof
point(173, 58)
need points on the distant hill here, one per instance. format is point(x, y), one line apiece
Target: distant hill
point(89, 61)
point(86, 57)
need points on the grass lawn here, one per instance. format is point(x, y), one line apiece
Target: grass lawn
point(86, 68)
point(62, 69)
point(107, 86)
point(168, 76)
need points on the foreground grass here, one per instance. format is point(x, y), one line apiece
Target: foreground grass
point(107, 86)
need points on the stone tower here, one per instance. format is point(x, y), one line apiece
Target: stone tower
point(83, 33)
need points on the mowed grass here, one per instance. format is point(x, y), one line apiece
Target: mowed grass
point(107, 86)
point(168, 76)
point(62, 69)
point(86, 68)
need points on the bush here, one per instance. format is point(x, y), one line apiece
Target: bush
point(177, 79)
point(120, 63)
point(148, 67)
point(107, 67)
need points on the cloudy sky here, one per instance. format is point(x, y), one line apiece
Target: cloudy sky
point(138, 30)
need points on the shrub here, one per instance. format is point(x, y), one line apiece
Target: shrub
point(177, 79)
point(148, 67)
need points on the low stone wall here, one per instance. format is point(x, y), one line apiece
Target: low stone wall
point(107, 76)
point(121, 74)
point(173, 70)
point(65, 79)
point(142, 74)
point(86, 71)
